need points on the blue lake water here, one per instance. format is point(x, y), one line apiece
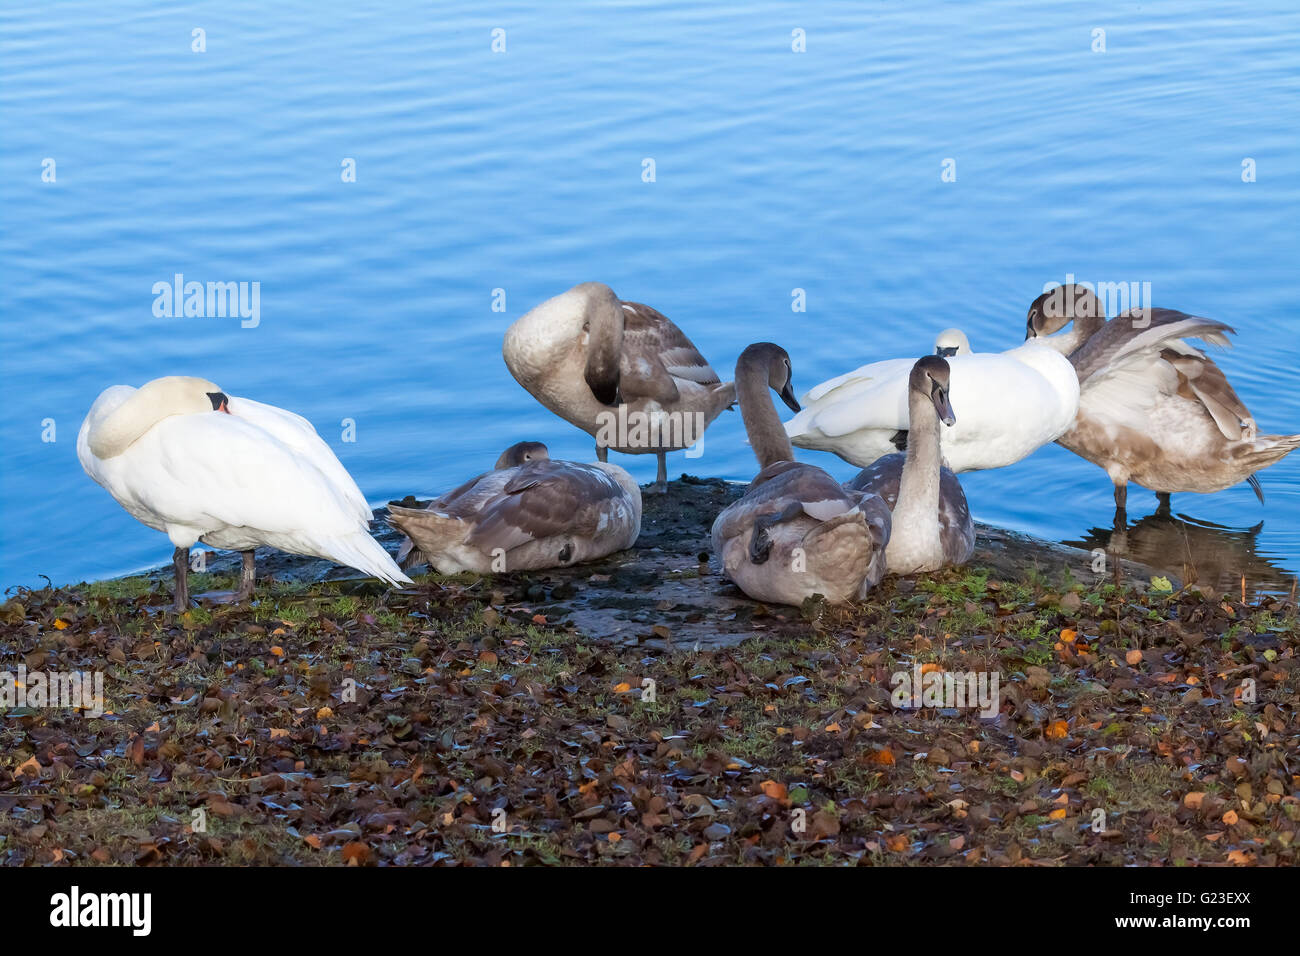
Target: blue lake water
point(522, 171)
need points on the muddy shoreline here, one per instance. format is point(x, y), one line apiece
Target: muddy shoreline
point(642, 711)
point(667, 592)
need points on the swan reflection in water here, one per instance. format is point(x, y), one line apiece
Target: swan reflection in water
point(1198, 552)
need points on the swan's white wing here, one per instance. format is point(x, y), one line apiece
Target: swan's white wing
point(879, 405)
point(213, 471)
point(817, 391)
point(297, 434)
point(862, 376)
point(108, 401)
point(1006, 405)
point(873, 397)
point(995, 396)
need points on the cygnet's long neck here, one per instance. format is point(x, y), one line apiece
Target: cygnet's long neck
point(917, 507)
point(1081, 329)
point(762, 424)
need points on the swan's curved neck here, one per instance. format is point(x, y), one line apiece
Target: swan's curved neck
point(604, 351)
point(114, 432)
point(119, 429)
point(917, 507)
point(1081, 329)
point(762, 424)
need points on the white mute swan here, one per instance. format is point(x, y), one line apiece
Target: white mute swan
point(1153, 409)
point(932, 526)
point(620, 371)
point(1012, 403)
point(185, 459)
point(528, 513)
point(796, 532)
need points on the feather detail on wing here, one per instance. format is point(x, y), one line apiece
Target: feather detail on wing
point(865, 377)
point(819, 495)
point(658, 357)
point(1135, 358)
point(216, 469)
point(297, 433)
point(1136, 332)
point(1210, 386)
point(543, 499)
point(874, 401)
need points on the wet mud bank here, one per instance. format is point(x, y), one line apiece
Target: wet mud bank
point(667, 591)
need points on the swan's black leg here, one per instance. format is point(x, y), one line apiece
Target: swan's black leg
point(602, 453)
point(181, 567)
point(1121, 505)
point(661, 480)
point(1162, 509)
point(246, 578)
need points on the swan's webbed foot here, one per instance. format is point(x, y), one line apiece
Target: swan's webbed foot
point(244, 593)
